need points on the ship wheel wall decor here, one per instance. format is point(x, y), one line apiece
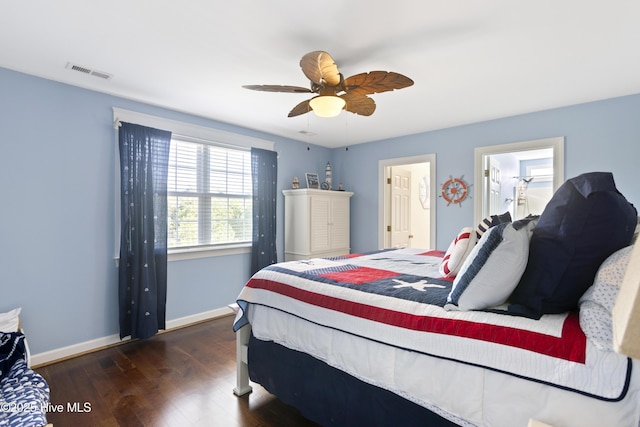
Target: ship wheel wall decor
point(455, 190)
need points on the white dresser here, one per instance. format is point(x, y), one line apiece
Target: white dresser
point(316, 223)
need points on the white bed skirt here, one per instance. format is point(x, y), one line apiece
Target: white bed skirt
point(464, 394)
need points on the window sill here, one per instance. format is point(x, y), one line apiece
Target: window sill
point(208, 252)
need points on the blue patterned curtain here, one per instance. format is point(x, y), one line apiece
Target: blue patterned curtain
point(142, 288)
point(264, 174)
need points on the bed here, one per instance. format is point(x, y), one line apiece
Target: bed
point(24, 396)
point(429, 337)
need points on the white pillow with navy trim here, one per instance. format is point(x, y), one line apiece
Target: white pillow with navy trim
point(494, 267)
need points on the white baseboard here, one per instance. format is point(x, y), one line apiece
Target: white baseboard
point(195, 318)
point(98, 343)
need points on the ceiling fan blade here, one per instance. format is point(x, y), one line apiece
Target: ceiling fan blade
point(375, 82)
point(301, 108)
point(278, 88)
point(361, 105)
point(320, 68)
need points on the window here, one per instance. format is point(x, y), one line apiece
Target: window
point(540, 172)
point(188, 200)
point(208, 195)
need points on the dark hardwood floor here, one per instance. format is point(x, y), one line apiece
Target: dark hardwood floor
point(179, 378)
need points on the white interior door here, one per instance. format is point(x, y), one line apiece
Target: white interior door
point(493, 178)
point(400, 208)
point(423, 217)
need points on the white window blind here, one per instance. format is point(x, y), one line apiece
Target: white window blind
point(208, 195)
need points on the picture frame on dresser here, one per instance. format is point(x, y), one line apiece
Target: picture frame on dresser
point(312, 180)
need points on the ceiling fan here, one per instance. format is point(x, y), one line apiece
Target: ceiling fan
point(334, 92)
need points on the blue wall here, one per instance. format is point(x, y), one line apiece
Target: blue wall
point(599, 136)
point(57, 154)
point(57, 169)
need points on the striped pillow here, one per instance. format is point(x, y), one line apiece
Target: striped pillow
point(457, 252)
point(491, 221)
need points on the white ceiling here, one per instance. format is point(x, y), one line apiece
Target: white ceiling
point(471, 60)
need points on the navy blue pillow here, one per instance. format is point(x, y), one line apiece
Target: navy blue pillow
point(12, 348)
point(585, 221)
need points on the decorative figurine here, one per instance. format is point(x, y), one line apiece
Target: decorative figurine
point(327, 171)
point(295, 183)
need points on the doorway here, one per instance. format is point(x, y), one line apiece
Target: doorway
point(519, 178)
point(407, 202)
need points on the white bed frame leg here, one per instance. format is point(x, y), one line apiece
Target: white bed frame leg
point(242, 368)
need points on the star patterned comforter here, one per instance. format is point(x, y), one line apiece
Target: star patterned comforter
point(396, 297)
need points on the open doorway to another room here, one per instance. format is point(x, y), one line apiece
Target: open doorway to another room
point(407, 202)
point(525, 179)
point(518, 178)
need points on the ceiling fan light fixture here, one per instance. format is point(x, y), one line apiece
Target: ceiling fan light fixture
point(327, 105)
point(326, 81)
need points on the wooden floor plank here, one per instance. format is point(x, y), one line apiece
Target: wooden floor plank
point(178, 378)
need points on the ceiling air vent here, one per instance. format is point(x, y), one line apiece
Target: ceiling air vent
point(85, 70)
point(306, 133)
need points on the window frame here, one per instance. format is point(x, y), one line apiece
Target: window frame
point(186, 131)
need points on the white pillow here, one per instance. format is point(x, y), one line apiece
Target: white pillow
point(9, 321)
point(597, 302)
point(494, 267)
point(457, 252)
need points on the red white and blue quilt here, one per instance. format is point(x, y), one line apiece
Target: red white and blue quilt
point(396, 297)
